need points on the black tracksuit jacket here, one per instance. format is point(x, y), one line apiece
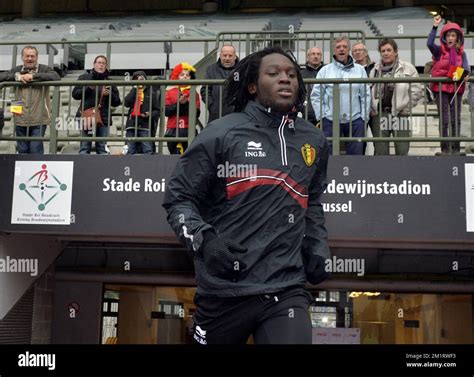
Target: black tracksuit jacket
point(276, 212)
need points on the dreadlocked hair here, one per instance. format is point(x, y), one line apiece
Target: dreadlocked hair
point(246, 73)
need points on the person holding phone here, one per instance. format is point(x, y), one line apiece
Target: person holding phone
point(98, 97)
point(144, 107)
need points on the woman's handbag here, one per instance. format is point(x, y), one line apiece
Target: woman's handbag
point(91, 116)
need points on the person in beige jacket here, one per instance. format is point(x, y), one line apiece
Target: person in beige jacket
point(32, 106)
point(392, 103)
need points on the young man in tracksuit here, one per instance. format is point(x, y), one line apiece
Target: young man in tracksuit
point(245, 199)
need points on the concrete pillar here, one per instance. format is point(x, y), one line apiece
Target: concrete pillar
point(30, 8)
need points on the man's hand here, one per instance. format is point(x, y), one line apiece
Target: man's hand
point(316, 270)
point(145, 115)
point(26, 78)
point(106, 91)
point(372, 113)
point(220, 258)
point(437, 20)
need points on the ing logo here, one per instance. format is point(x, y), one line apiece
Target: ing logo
point(42, 187)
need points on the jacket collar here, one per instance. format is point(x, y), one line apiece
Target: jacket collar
point(312, 68)
point(337, 63)
point(35, 69)
point(265, 116)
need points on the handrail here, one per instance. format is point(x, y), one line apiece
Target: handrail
point(54, 137)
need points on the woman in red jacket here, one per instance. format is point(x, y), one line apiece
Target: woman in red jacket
point(177, 107)
point(448, 55)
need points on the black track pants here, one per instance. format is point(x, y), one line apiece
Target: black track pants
point(277, 318)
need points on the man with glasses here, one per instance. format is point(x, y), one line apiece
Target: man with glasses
point(32, 106)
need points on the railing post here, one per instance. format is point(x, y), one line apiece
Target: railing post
point(50, 52)
point(247, 45)
point(14, 54)
point(335, 120)
point(162, 125)
point(53, 132)
point(412, 48)
point(109, 53)
point(192, 114)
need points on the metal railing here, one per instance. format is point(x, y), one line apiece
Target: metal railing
point(298, 41)
point(64, 107)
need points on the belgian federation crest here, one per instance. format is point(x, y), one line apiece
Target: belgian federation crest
point(309, 154)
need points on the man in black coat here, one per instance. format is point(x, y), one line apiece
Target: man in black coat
point(213, 96)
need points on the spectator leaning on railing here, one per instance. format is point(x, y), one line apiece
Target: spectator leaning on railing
point(144, 105)
point(219, 70)
point(446, 58)
point(98, 98)
point(32, 106)
point(392, 103)
point(314, 63)
point(354, 99)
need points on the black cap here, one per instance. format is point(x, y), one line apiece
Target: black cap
point(138, 73)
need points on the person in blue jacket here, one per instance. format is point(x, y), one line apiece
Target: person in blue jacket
point(354, 103)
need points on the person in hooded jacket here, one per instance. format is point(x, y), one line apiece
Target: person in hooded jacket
point(257, 233)
point(143, 102)
point(102, 97)
point(445, 56)
point(213, 95)
point(354, 104)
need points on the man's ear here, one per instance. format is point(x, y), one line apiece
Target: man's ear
point(252, 88)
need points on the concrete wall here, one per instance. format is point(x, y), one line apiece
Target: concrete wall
point(43, 308)
point(82, 326)
point(42, 249)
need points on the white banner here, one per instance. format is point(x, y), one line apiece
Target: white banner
point(469, 177)
point(42, 192)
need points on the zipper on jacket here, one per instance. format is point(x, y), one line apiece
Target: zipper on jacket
point(281, 127)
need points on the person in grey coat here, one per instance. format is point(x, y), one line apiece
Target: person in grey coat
point(32, 112)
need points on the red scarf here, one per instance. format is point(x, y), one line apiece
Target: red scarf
point(138, 102)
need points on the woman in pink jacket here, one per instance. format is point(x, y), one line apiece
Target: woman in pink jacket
point(446, 56)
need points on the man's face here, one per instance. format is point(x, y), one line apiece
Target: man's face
point(315, 56)
point(228, 56)
point(277, 85)
point(100, 65)
point(341, 51)
point(30, 58)
point(451, 38)
point(359, 54)
point(388, 54)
